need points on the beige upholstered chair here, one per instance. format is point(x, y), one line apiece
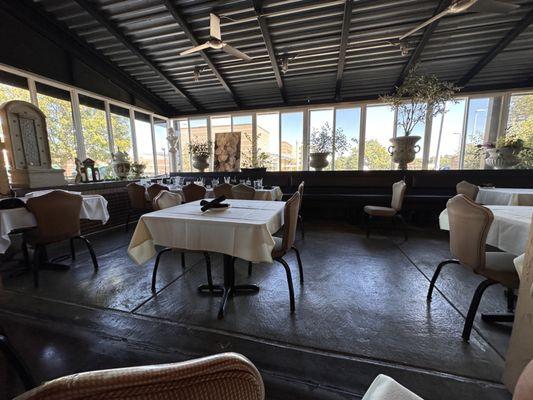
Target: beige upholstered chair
point(153, 191)
point(393, 212)
point(222, 376)
point(138, 201)
point(524, 387)
point(300, 218)
point(386, 388)
point(223, 189)
point(469, 225)
point(243, 192)
point(166, 199)
point(193, 192)
point(467, 189)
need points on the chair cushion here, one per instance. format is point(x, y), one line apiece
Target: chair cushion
point(500, 267)
point(380, 211)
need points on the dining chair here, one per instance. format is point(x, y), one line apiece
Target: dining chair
point(138, 202)
point(153, 190)
point(467, 189)
point(524, 386)
point(392, 212)
point(13, 359)
point(58, 218)
point(193, 192)
point(220, 376)
point(469, 226)
point(224, 189)
point(243, 192)
point(300, 218)
point(166, 199)
point(386, 388)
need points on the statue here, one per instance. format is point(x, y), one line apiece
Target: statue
point(172, 140)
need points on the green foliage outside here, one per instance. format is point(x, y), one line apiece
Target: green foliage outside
point(376, 156)
point(520, 126)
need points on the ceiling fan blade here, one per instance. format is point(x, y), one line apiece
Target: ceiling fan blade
point(214, 26)
point(237, 53)
point(492, 7)
point(426, 23)
point(195, 49)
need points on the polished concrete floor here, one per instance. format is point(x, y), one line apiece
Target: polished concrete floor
point(362, 311)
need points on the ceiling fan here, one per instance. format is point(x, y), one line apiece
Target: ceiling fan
point(216, 42)
point(459, 6)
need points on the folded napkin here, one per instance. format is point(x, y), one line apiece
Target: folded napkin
point(215, 203)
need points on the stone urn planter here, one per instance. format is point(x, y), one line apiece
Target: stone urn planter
point(318, 161)
point(121, 165)
point(403, 150)
point(502, 157)
point(137, 170)
point(199, 161)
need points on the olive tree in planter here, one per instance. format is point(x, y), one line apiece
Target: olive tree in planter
point(200, 154)
point(418, 95)
point(323, 144)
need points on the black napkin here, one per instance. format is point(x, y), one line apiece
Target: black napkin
point(215, 203)
point(11, 202)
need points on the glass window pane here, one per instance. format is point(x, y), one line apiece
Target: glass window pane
point(476, 133)
point(55, 104)
point(292, 133)
point(182, 127)
point(199, 134)
point(446, 132)
point(94, 129)
point(379, 129)
point(347, 123)
point(320, 128)
point(13, 87)
point(418, 130)
point(520, 126)
point(121, 125)
point(143, 136)
point(243, 124)
point(161, 146)
point(268, 141)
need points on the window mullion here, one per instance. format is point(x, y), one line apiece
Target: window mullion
point(134, 136)
point(78, 130)
point(362, 134)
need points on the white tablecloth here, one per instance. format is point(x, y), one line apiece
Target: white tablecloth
point(272, 194)
point(93, 207)
point(244, 230)
point(505, 196)
point(509, 230)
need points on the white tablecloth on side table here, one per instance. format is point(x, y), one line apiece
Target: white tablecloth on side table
point(93, 207)
point(244, 230)
point(509, 230)
point(505, 196)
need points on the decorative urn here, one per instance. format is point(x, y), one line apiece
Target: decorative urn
point(319, 161)
point(502, 157)
point(403, 150)
point(121, 164)
point(199, 161)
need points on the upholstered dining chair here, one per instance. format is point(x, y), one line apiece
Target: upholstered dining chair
point(221, 376)
point(58, 219)
point(193, 192)
point(224, 189)
point(469, 226)
point(243, 192)
point(392, 212)
point(467, 189)
point(524, 386)
point(166, 199)
point(300, 218)
point(153, 190)
point(138, 202)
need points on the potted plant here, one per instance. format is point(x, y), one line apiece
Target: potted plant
point(137, 169)
point(260, 162)
point(412, 100)
point(323, 144)
point(200, 154)
point(503, 154)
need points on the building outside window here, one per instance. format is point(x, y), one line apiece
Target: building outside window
point(268, 140)
point(292, 134)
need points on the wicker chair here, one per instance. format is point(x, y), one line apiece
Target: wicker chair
point(392, 212)
point(467, 189)
point(469, 226)
point(154, 190)
point(193, 192)
point(58, 218)
point(243, 192)
point(138, 201)
point(222, 376)
point(223, 189)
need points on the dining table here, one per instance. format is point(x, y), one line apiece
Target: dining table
point(242, 230)
point(505, 196)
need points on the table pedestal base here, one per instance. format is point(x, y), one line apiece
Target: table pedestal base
point(229, 289)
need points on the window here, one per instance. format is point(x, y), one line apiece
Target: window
point(418, 130)
point(55, 104)
point(476, 132)
point(182, 128)
point(143, 136)
point(121, 126)
point(243, 124)
point(95, 135)
point(520, 126)
point(347, 123)
point(161, 146)
point(446, 135)
point(268, 141)
point(292, 133)
point(13, 87)
point(321, 125)
point(379, 129)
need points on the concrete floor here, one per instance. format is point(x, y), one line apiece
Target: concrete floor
point(362, 311)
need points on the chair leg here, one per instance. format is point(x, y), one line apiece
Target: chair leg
point(250, 266)
point(301, 221)
point(368, 219)
point(128, 221)
point(511, 300)
point(300, 266)
point(13, 359)
point(72, 249)
point(156, 265)
point(35, 265)
point(289, 281)
point(182, 259)
point(91, 251)
point(436, 275)
point(405, 232)
point(208, 269)
point(469, 322)
point(25, 253)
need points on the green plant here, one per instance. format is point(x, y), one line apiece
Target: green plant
point(323, 141)
point(200, 149)
point(418, 95)
point(137, 169)
point(510, 140)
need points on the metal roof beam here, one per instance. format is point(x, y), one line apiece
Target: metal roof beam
point(192, 38)
point(261, 19)
point(119, 35)
point(348, 6)
point(520, 27)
